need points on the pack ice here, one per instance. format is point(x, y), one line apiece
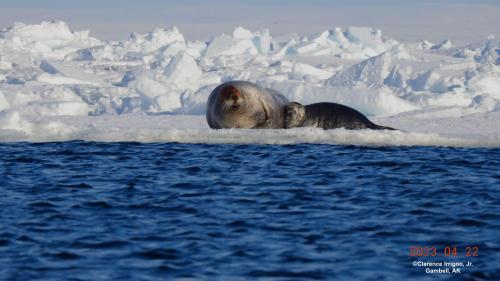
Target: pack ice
point(57, 84)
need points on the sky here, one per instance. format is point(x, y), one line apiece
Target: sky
point(405, 20)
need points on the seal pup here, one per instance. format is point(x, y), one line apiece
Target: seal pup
point(327, 115)
point(242, 104)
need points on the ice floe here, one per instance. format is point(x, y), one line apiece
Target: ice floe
point(55, 81)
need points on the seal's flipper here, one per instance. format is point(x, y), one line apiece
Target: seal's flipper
point(384, 128)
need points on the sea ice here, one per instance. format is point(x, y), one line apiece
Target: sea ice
point(60, 84)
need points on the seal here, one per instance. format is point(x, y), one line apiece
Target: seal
point(242, 104)
point(327, 115)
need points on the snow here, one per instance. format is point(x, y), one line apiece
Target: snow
point(183, 71)
point(306, 71)
point(445, 45)
point(60, 84)
point(485, 79)
point(372, 71)
point(47, 40)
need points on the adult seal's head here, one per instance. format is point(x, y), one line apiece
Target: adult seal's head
point(242, 104)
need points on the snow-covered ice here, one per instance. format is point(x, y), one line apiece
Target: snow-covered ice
point(58, 84)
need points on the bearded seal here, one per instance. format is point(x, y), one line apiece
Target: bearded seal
point(327, 115)
point(242, 104)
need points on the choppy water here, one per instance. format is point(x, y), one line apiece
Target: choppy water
point(129, 211)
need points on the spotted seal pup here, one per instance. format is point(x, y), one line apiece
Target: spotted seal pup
point(327, 115)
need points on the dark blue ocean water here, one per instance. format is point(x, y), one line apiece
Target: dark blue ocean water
point(129, 211)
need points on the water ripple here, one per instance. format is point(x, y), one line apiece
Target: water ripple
point(132, 211)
